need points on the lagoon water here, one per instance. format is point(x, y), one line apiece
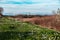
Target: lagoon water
point(32, 7)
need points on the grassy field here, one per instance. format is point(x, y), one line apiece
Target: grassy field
point(11, 29)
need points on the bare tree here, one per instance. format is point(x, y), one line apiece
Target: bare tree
point(54, 12)
point(1, 10)
point(58, 15)
point(58, 11)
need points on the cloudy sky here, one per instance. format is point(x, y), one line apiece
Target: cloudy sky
point(13, 7)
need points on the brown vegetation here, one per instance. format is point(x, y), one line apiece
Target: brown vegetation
point(51, 22)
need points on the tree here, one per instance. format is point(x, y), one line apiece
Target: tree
point(58, 11)
point(1, 10)
point(58, 15)
point(54, 12)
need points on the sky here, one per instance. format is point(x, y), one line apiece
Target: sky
point(42, 7)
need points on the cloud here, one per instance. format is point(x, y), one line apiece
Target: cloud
point(17, 2)
point(33, 6)
point(19, 8)
point(27, 1)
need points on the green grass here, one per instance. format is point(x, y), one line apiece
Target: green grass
point(11, 29)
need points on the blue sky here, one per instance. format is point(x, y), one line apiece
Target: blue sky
point(13, 7)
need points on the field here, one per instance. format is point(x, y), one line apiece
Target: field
point(11, 29)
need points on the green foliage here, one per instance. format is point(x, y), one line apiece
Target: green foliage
point(11, 29)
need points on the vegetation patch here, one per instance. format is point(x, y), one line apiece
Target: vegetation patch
point(11, 29)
